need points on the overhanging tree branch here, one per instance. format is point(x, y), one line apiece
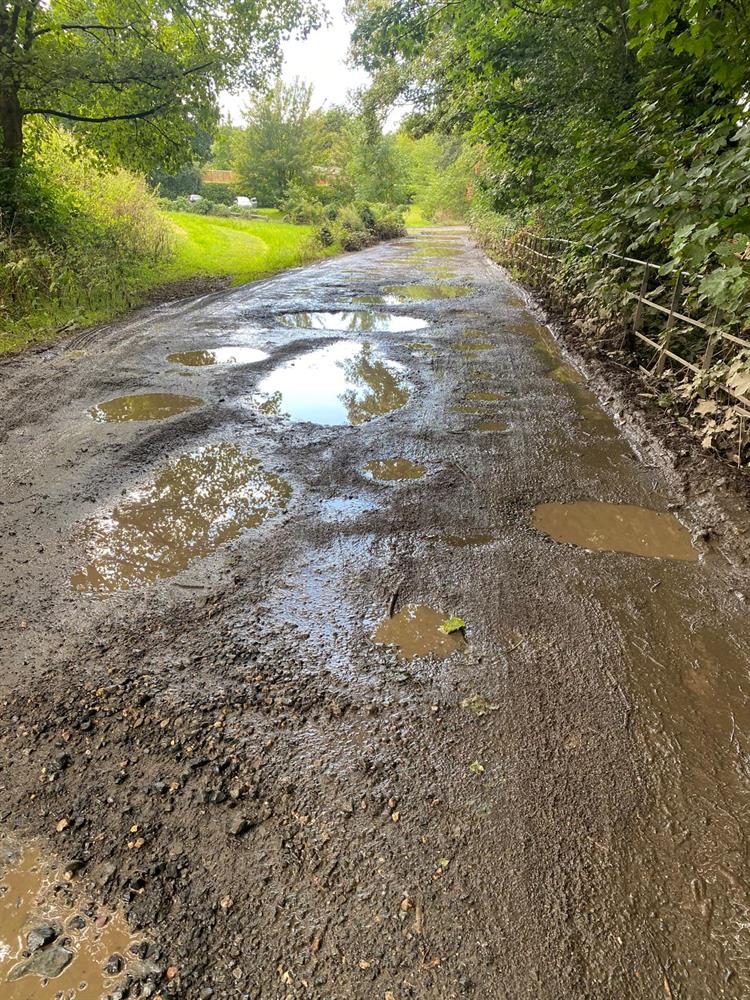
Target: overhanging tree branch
point(99, 120)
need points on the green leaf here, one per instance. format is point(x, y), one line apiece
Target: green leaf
point(453, 624)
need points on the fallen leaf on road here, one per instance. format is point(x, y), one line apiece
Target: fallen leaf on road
point(476, 768)
point(452, 624)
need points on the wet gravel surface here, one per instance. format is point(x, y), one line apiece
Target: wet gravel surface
point(557, 809)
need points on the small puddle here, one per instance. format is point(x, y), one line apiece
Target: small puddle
point(400, 294)
point(491, 425)
point(146, 406)
point(218, 356)
point(415, 629)
point(362, 321)
point(422, 347)
point(486, 397)
point(473, 335)
point(394, 469)
point(194, 505)
point(342, 383)
point(466, 408)
point(36, 907)
point(615, 527)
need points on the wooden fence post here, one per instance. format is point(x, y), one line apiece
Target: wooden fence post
point(713, 337)
point(659, 367)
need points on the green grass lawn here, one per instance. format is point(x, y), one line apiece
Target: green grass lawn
point(205, 247)
point(240, 249)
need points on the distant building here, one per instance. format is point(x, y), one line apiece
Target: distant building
point(219, 176)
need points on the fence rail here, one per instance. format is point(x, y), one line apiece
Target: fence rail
point(543, 258)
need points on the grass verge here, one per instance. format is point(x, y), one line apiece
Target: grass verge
point(206, 248)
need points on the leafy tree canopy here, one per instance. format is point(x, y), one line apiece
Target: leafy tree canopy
point(136, 77)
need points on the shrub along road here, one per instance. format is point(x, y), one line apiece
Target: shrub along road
point(228, 697)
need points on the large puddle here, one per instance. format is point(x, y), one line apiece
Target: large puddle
point(616, 527)
point(400, 294)
point(145, 406)
point(342, 383)
point(48, 948)
point(218, 356)
point(197, 503)
point(362, 321)
point(416, 630)
point(394, 469)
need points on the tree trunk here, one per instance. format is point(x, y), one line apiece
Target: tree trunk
point(11, 147)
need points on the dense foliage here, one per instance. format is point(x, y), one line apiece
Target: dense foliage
point(91, 240)
point(615, 122)
point(138, 78)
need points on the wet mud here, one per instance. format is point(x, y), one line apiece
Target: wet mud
point(255, 739)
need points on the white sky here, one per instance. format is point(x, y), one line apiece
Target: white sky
point(320, 60)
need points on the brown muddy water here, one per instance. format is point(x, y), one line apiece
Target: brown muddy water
point(218, 356)
point(343, 383)
point(194, 505)
point(361, 321)
point(394, 469)
point(415, 629)
point(616, 527)
point(143, 406)
point(34, 898)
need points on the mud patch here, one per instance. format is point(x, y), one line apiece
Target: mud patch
point(465, 541)
point(218, 356)
point(486, 397)
point(498, 426)
point(361, 321)
point(394, 469)
point(146, 406)
point(342, 383)
point(416, 630)
point(471, 346)
point(194, 505)
point(49, 949)
point(616, 527)
point(339, 509)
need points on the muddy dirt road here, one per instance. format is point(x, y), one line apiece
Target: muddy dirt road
point(240, 537)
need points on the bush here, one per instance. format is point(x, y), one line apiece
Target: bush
point(358, 226)
point(82, 239)
point(298, 207)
